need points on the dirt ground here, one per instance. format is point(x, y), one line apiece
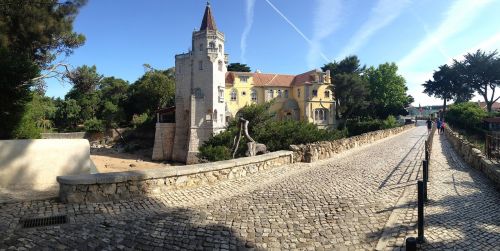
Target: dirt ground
point(109, 160)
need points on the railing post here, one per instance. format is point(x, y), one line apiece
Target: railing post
point(425, 165)
point(411, 244)
point(420, 205)
point(426, 149)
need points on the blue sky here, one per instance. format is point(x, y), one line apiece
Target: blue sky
point(285, 36)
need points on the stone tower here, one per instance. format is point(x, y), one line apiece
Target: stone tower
point(199, 90)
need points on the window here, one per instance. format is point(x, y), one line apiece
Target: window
point(243, 79)
point(269, 94)
point(211, 45)
point(220, 48)
point(254, 95)
point(201, 47)
point(200, 65)
point(215, 115)
point(298, 92)
point(221, 94)
point(280, 94)
point(327, 94)
point(286, 93)
point(321, 115)
point(234, 95)
point(198, 93)
point(315, 93)
point(220, 65)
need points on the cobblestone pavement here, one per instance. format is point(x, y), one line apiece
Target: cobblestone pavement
point(463, 212)
point(464, 208)
point(344, 203)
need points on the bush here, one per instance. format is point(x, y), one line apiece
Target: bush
point(93, 125)
point(263, 128)
point(467, 116)
point(390, 122)
point(214, 153)
point(356, 127)
point(139, 120)
point(279, 135)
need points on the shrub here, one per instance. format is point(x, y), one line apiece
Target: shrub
point(467, 116)
point(263, 128)
point(139, 120)
point(390, 122)
point(93, 125)
point(214, 153)
point(356, 127)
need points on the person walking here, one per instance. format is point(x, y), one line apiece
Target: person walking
point(438, 125)
point(429, 125)
point(442, 127)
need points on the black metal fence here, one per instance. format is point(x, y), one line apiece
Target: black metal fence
point(492, 146)
point(411, 242)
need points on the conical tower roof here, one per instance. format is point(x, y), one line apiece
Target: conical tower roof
point(208, 22)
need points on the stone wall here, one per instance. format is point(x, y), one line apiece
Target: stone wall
point(473, 156)
point(66, 135)
point(164, 141)
point(327, 149)
point(124, 185)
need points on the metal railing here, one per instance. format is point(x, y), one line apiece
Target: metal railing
point(411, 242)
point(492, 146)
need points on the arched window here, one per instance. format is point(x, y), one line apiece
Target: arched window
point(220, 65)
point(280, 94)
point(321, 115)
point(211, 45)
point(234, 94)
point(315, 93)
point(215, 115)
point(220, 48)
point(327, 94)
point(254, 95)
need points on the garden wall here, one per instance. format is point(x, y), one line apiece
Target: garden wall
point(34, 164)
point(474, 156)
point(124, 185)
point(327, 149)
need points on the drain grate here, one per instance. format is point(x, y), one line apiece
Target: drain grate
point(42, 222)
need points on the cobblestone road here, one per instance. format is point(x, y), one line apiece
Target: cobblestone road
point(343, 203)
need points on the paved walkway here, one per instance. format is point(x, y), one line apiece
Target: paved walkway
point(350, 202)
point(463, 212)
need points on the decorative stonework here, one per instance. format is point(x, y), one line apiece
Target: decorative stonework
point(473, 156)
point(327, 149)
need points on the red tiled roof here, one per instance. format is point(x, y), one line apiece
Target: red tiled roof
point(278, 80)
point(301, 79)
point(272, 79)
point(492, 120)
point(495, 106)
point(208, 22)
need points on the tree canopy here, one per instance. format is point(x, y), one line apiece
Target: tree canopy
point(350, 90)
point(387, 90)
point(27, 48)
point(238, 67)
point(481, 72)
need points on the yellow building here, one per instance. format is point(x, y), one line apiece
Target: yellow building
point(304, 97)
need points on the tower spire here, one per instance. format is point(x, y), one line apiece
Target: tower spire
point(208, 22)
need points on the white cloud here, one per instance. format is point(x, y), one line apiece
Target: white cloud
point(326, 21)
point(249, 11)
point(457, 18)
point(384, 12)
